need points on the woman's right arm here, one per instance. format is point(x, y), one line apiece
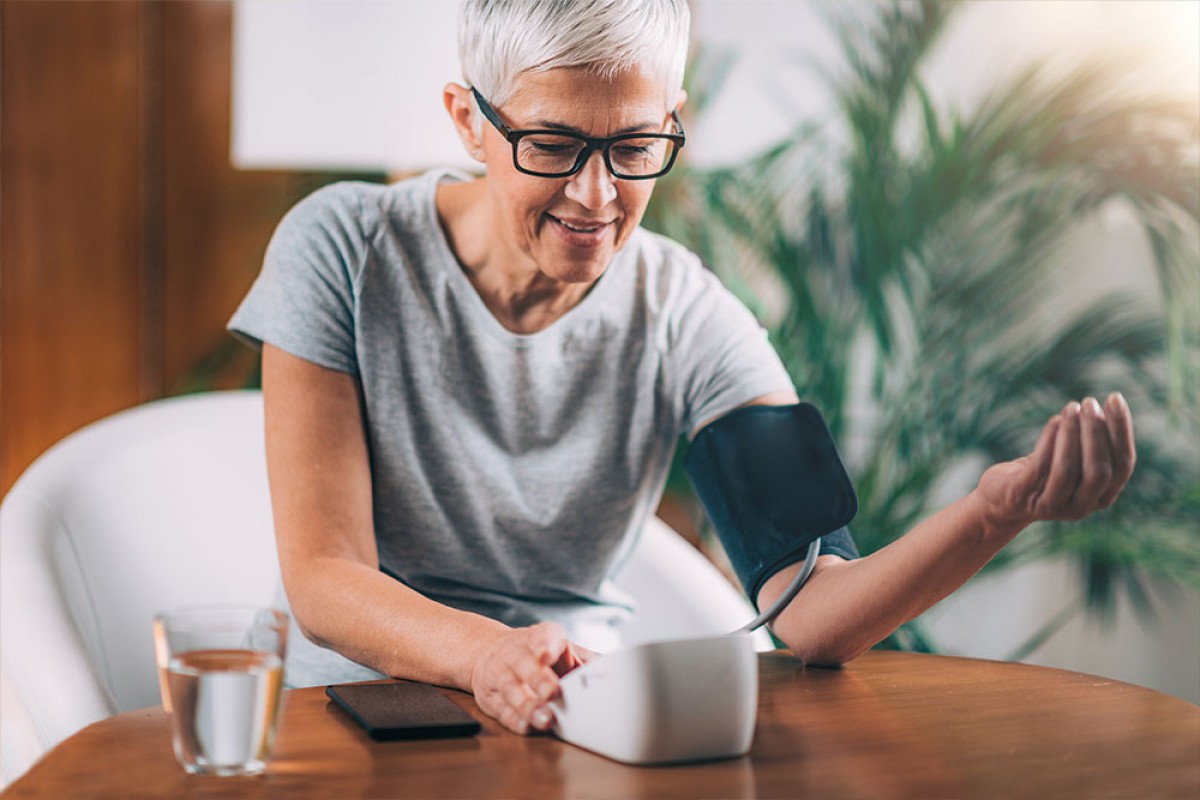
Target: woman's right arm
point(320, 477)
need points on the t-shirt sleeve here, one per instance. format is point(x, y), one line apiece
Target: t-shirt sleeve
point(726, 361)
point(304, 299)
point(721, 352)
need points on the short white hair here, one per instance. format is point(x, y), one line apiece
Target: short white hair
point(498, 40)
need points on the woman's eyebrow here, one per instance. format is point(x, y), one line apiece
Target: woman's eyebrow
point(558, 126)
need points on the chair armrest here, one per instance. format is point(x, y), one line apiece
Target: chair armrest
point(51, 687)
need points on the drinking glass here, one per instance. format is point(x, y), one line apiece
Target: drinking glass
point(220, 669)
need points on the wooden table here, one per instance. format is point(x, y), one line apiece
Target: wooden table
point(888, 725)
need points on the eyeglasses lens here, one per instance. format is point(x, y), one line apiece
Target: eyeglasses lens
point(552, 154)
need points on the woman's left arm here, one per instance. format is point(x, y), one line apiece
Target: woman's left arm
point(1081, 462)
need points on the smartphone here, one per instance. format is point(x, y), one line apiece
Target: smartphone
point(405, 710)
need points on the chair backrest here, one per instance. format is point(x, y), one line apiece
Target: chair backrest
point(679, 593)
point(167, 505)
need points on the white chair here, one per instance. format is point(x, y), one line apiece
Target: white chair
point(158, 506)
point(167, 505)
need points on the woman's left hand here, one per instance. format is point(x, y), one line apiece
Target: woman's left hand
point(1080, 464)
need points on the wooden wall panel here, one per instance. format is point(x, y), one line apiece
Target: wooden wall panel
point(217, 219)
point(71, 219)
point(126, 239)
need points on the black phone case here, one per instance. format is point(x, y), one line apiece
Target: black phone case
point(392, 711)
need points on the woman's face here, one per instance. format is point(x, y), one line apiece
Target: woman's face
point(570, 228)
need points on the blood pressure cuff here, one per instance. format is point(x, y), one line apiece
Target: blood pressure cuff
point(772, 481)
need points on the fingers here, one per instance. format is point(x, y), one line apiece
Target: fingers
point(1064, 465)
point(1093, 457)
point(537, 673)
point(1124, 452)
point(1082, 461)
point(523, 707)
point(1097, 465)
point(573, 656)
point(582, 655)
point(1040, 460)
point(515, 679)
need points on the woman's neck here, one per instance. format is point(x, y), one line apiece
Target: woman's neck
point(519, 295)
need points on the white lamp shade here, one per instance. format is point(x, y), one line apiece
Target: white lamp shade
point(344, 85)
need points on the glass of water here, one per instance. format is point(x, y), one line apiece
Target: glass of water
point(220, 669)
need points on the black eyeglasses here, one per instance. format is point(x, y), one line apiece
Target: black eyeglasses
point(558, 154)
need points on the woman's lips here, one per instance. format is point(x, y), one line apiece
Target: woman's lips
point(580, 232)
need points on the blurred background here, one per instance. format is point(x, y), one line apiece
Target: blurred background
point(951, 217)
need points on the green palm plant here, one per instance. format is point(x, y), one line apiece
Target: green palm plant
point(906, 272)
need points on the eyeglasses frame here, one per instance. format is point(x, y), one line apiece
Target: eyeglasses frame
point(590, 144)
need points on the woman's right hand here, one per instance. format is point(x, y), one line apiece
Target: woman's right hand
point(515, 677)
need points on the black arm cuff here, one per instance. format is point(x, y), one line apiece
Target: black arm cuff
point(771, 480)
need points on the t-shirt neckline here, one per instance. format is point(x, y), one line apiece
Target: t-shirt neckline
point(462, 287)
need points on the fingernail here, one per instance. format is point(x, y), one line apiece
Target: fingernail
point(1092, 406)
point(541, 718)
point(1072, 409)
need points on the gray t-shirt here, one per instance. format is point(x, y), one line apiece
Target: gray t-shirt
point(512, 472)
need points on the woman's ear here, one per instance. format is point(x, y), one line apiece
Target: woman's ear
point(679, 101)
point(461, 107)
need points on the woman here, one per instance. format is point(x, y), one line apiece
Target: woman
point(473, 387)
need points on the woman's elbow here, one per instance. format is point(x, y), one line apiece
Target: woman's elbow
point(821, 651)
point(304, 594)
point(302, 614)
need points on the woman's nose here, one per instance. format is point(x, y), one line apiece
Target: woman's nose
point(593, 186)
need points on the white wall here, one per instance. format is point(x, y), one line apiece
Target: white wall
point(326, 83)
point(994, 614)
